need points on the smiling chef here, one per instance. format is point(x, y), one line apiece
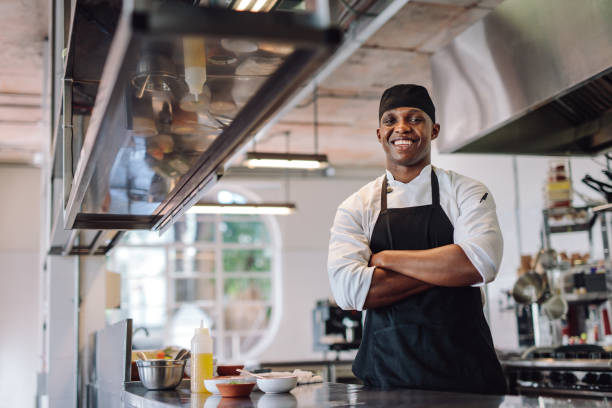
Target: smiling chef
point(412, 247)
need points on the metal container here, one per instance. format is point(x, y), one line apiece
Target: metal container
point(529, 288)
point(160, 374)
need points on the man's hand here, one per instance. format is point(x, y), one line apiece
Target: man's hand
point(443, 266)
point(377, 259)
point(388, 287)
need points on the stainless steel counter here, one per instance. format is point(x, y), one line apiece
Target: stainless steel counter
point(341, 395)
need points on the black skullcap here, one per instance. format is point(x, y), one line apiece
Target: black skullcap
point(407, 95)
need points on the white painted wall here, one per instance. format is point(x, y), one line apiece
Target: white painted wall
point(19, 291)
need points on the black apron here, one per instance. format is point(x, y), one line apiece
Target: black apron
point(437, 339)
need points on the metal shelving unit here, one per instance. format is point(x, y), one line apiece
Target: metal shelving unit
point(587, 226)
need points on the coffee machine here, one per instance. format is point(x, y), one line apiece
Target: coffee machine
point(335, 329)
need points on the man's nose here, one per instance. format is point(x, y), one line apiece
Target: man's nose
point(403, 127)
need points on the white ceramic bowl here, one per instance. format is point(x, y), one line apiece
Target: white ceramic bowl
point(211, 384)
point(277, 385)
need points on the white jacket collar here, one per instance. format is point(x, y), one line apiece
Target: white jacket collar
point(425, 172)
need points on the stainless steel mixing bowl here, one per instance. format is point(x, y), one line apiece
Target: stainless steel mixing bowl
point(160, 374)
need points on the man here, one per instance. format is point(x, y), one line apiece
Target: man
point(412, 247)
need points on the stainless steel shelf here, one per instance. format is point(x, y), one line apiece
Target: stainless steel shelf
point(586, 297)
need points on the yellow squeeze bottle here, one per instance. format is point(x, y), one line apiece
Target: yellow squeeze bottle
point(201, 358)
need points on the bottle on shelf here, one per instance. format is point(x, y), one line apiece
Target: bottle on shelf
point(201, 358)
point(558, 187)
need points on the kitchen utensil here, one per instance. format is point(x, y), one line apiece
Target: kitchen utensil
point(555, 307)
point(160, 374)
point(141, 355)
point(235, 390)
point(243, 371)
point(277, 385)
point(599, 186)
point(529, 288)
point(546, 257)
point(181, 354)
point(211, 384)
point(229, 369)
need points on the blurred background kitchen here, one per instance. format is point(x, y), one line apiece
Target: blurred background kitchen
point(529, 117)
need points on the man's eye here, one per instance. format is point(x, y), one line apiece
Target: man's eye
point(388, 121)
point(415, 120)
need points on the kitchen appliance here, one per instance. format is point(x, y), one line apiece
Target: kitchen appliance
point(335, 329)
point(580, 370)
point(151, 117)
point(510, 84)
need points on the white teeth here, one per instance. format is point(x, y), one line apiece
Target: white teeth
point(402, 142)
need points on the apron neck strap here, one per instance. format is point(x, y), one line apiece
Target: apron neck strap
point(383, 195)
point(435, 189)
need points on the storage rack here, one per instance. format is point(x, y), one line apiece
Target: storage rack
point(587, 226)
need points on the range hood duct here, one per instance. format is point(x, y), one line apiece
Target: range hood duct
point(532, 77)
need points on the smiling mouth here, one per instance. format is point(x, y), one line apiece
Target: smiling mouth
point(403, 142)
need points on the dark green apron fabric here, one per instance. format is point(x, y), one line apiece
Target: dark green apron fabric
point(438, 339)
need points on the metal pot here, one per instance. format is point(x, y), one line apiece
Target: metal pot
point(529, 288)
point(555, 307)
point(547, 258)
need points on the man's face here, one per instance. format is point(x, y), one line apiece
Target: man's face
point(405, 134)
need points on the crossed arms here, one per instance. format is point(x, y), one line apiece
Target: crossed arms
point(400, 274)
point(362, 280)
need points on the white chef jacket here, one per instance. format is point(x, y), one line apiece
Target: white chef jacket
point(467, 203)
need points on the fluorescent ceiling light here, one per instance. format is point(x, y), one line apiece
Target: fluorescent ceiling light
point(287, 161)
point(259, 5)
point(242, 5)
point(216, 208)
point(254, 5)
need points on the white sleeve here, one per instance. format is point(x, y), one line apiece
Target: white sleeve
point(477, 230)
point(348, 258)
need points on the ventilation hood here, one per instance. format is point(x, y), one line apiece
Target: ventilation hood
point(532, 77)
point(158, 95)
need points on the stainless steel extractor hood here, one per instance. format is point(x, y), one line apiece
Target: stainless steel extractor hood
point(532, 77)
point(150, 117)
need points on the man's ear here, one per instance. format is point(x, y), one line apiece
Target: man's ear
point(435, 131)
point(378, 135)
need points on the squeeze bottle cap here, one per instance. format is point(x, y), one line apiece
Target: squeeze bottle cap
point(202, 330)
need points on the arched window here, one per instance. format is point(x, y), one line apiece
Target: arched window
point(222, 269)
